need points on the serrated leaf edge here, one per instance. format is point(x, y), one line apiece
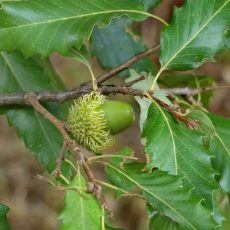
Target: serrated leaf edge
point(144, 189)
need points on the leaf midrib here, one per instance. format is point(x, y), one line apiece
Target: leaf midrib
point(154, 195)
point(77, 16)
point(193, 37)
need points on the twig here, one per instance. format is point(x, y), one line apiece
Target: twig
point(61, 96)
point(174, 110)
point(93, 187)
point(188, 91)
point(57, 170)
point(127, 64)
point(131, 83)
point(119, 189)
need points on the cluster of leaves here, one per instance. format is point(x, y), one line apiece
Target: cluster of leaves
point(191, 164)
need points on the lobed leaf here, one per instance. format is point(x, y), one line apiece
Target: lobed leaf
point(174, 148)
point(196, 34)
point(165, 192)
point(55, 25)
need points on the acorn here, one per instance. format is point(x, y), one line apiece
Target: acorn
point(93, 120)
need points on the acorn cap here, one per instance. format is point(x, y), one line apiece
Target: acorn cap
point(92, 120)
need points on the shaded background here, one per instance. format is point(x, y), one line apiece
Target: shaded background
point(34, 204)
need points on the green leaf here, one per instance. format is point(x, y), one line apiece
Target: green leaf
point(81, 211)
point(174, 148)
point(113, 46)
point(196, 34)
point(40, 136)
point(220, 148)
point(3, 217)
point(165, 192)
point(55, 25)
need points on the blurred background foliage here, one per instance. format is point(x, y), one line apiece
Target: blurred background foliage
point(35, 204)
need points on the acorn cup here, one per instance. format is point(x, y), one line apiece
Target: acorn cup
point(93, 120)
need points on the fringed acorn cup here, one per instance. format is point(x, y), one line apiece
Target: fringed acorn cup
point(93, 120)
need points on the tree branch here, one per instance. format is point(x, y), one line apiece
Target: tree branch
point(61, 96)
point(127, 64)
point(188, 91)
point(93, 187)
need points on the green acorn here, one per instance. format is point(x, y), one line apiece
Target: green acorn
point(93, 120)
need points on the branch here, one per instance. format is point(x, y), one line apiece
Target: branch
point(61, 96)
point(127, 64)
point(188, 91)
point(93, 187)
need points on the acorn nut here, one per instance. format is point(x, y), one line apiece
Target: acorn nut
point(93, 120)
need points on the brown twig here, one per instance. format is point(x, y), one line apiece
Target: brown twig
point(61, 96)
point(57, 170)
point(131, 83)
point(174, 110)
point(188, 91)
point(127, 64)
point(93, 187)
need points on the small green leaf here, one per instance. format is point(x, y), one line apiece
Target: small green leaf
point(56, 25)
point(81, 211)
point(158, 187)
point(195, 35)
point(3, 217)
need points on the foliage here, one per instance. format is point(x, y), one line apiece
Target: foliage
point(3, 218)
point(185, 168)
point(186, 44)
point(81, 210)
